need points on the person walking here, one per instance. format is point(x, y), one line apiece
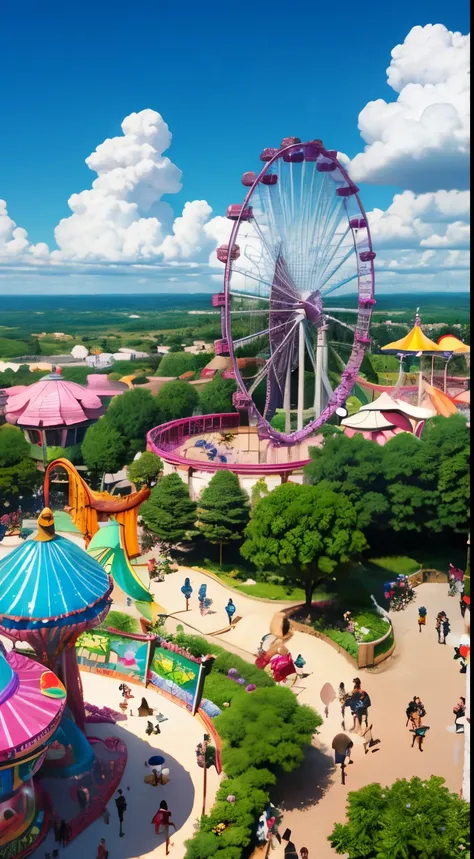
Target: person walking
point(344, 698)
point(439, 625)
point(422, 612)
point(459, 711)
point(121, 804)
point(162, 818)
point(102, 852)
point(230, 609)
point(446, 628)
point(419, 735)
point(304, 853)
point(65, 833)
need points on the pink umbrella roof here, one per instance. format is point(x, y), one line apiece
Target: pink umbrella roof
point(53, 402)
point(32, 700)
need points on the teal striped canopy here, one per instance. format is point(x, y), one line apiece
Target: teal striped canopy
point(45, 580)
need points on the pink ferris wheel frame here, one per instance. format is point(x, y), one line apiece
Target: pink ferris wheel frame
point(312, 151)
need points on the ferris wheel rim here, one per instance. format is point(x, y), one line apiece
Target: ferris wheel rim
point(358, 350)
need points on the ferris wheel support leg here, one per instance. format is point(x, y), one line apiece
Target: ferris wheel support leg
point(321, 368)
point(287, 398)
point(301, 357)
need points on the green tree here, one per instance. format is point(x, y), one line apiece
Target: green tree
point(444, 454)
point(263, 733)
point(304, 533)
point(121, 621)
point(223, 510)
point(104, 449)
point(13, 445)
point(176, 363)
point(146, 469)
point(259, 491)
point(169, 512)
point(19, 479)
point(176, 400)
point(133, 414)
point(416, 819)
point(353, 467)
point(216, 396)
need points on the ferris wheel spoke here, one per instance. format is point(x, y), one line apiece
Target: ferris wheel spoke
point(341, 310)
point(335, 251)
point(257, 334)
point(271, 360)
point(266, 283)
point(337, 267)
point(341, 283)
point(260, 312)
point(339, 322)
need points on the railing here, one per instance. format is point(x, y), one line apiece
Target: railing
point(165, 439)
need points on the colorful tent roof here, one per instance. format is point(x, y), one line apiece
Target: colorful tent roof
point(414, 342)
point(53, 402)
point(386, 403)
point(50, 579)
point(32, 700)
point(450, 343)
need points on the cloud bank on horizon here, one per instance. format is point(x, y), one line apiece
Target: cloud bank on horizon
point(419, 142)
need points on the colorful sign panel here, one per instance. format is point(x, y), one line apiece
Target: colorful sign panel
point(113, 655)
point(175, 673)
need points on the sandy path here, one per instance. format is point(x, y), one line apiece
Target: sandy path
point(419, 666)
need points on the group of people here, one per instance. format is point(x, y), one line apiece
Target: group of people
point(359, 702)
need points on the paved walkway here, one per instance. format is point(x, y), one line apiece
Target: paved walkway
point(312, 797)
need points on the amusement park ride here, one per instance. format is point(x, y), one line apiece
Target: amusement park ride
point(300, 236)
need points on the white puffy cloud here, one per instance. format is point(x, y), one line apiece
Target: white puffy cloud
point(14, 244)
point(421, 140)
point(435, 220)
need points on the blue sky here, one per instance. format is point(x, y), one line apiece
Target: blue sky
point(227, 78)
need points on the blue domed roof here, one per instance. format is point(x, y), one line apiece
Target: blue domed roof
point(40, 581)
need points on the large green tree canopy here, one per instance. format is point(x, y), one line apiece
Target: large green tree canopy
point(216, 396)
point(304, 532)
point(223, 509)
point(409, 820)
point(353, 467)
point(145, 470)
point(169, 512)
point(104, 449)
point(176, 400)
point(19, 474)
point(133, 414)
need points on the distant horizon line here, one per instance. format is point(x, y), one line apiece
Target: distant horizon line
point(205, 292)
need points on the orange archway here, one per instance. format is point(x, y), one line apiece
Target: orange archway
point(85, 505)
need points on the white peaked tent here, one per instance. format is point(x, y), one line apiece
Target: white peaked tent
point(79, 352)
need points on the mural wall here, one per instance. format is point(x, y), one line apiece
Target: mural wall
point(114, 655)
point(174, 672)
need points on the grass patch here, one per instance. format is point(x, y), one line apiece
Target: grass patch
point(344, 639)
point(399, 564)
point(384, 645)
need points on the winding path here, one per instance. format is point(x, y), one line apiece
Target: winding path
point(312, 797)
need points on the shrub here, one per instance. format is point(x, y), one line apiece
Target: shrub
point(176, 363)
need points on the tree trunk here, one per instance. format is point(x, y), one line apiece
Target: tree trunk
point(308, 589)
point(220, 555)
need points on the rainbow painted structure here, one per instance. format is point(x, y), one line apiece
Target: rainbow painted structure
point(51, 591)
point(32, 702)
point(87, 507)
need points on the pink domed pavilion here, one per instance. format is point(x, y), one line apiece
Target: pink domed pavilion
point(53, 411)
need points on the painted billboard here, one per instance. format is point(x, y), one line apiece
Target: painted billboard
point(113, 655)
point(175, 673)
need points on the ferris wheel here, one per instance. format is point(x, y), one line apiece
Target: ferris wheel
point(300, 237)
